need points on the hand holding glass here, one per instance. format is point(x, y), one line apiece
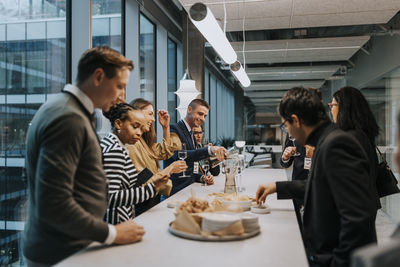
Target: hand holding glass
point(291, 138)
point(182, 155)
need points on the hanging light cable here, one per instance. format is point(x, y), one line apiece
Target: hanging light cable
point(238, 71)
point(205, 22)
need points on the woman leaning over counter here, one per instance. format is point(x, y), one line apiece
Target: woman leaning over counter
point(123, 191)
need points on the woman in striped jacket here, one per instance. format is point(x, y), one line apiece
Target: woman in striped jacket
point(123, 190)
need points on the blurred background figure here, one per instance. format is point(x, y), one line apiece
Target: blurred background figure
point(198, 132)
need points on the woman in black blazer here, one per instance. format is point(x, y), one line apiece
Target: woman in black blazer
point(351, 112)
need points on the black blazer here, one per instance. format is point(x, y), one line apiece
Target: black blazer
point(339, 204)
point(193, 155)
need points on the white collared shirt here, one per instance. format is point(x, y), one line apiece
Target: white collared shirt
point(190, 129)
point(88, 105)
point(83, 98)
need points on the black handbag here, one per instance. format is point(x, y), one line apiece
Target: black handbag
point(386, 182)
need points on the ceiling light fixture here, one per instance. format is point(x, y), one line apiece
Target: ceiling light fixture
point(187, 90)
point(240, 74)
point(202, 17)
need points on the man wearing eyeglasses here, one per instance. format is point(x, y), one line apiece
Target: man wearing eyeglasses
point(339, 208)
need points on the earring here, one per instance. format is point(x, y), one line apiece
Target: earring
point(118, 131)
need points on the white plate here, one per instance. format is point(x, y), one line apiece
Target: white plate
point(212, 238)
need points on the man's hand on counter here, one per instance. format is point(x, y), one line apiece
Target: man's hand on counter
point(128, 232)
point(263, 191)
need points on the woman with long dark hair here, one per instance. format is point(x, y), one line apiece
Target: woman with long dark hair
point(351, 112)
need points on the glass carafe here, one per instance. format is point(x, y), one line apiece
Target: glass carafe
point(229, 168)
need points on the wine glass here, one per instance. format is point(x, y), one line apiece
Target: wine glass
point(206, 168)
point(182, 155)
point(291, 138)
point(239, 177)
point(240, 145)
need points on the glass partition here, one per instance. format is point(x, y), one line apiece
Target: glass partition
point(32, 66)
point(147, 62)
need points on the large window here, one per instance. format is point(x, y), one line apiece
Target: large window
point(106, 23)
point(222, 109)
point(32, 66)
point(384, 98)
point(172, 80)
point(147, 63)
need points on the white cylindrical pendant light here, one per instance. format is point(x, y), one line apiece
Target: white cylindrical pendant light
point(205, 22)
point(240, 74)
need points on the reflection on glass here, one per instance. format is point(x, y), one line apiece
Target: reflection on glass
point(172, 83)
point(32, 66)
point(106, 23)
point(147, 59)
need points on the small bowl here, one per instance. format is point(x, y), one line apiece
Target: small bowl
point(263, 209)
point(173, 204)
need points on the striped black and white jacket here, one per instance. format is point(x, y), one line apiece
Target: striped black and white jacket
point(123, 192)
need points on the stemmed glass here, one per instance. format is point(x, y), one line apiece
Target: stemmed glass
point(291, 138)
point(206, 168)
point(239, 176)
point(182, 155)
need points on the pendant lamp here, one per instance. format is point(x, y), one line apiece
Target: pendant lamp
point(186, 92)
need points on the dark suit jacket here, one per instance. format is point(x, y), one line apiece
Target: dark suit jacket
point(340, 207)
point(299, 173)
point(193, 155)
point(66, 182)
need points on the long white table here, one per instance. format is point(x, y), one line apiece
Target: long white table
point(279, 243)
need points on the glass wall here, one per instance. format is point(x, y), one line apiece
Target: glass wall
point(172, 80)
point(383, 96)
point(32, 66)
point(147, 46)
point(222, 109)
point(106, 23)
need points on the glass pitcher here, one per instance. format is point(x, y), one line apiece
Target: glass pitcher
point(229, 168)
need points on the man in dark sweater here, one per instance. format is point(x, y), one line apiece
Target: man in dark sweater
point(66, 181)
point(339, 207)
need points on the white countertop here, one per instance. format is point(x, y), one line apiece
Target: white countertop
point(278, 244)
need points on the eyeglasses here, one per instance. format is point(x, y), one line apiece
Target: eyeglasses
point(284, 127)
point(197, 132)
point(331, 105)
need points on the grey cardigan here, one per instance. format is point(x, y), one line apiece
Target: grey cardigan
point(66, 182)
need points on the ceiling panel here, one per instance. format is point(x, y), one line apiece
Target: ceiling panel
point(300, 50)
point(267, 86)
point(260, 94)
point(292, 73)
point(279, 14)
